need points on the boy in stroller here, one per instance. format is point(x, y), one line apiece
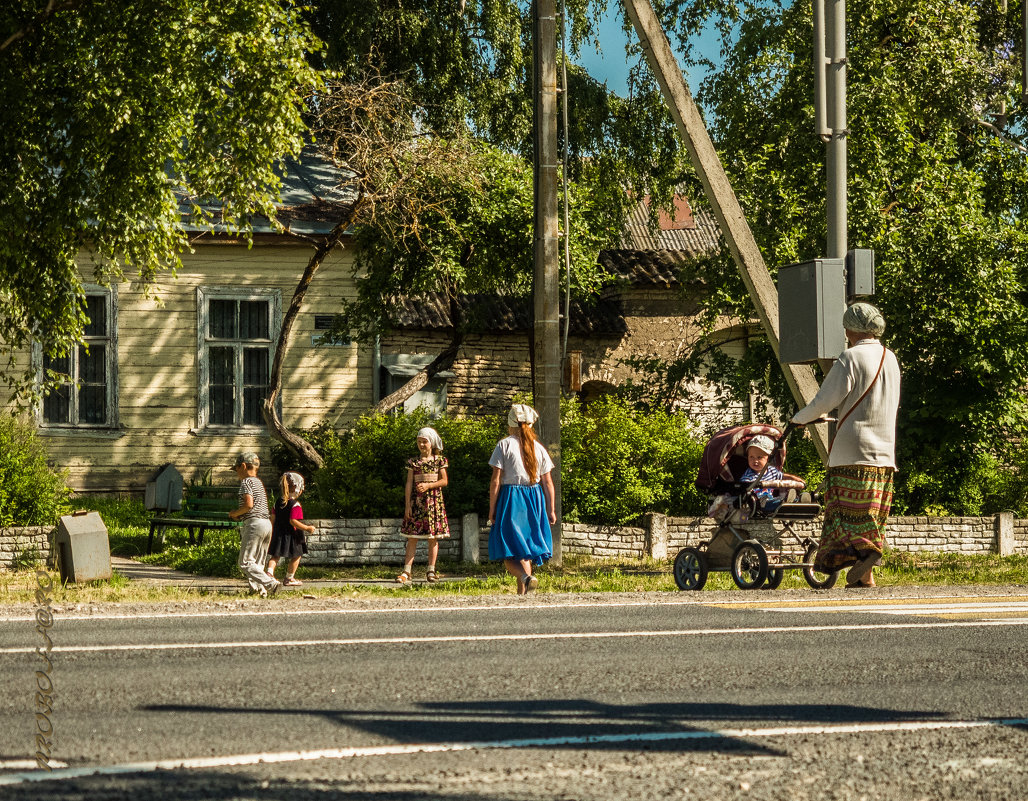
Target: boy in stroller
point(757, 453)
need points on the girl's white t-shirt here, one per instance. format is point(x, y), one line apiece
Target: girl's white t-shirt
point(507, 457)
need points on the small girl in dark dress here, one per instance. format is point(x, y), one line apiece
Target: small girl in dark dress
point(287, 529)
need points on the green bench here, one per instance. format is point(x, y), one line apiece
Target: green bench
point(204, 507)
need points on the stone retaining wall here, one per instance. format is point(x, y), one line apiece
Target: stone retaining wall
point(355, 542)
point(378, 541)
point(23, 544)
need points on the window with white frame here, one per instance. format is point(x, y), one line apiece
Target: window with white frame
point(86, 390)
point(237, 332)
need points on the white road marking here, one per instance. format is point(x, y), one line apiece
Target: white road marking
point(28, 764)
point(803, 605)
point(542, 742)
point(520, 637)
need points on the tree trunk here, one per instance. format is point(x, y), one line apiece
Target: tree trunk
point(417, 381)
point(296, 444)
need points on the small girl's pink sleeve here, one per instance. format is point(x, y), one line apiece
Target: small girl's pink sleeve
point(296, 513)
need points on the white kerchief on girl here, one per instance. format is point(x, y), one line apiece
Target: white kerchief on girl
point(432, 436)
point(295, 481)
point(521, 413)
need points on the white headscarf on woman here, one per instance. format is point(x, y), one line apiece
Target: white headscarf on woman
point(863, 318)
point(521, 413)
point(432, 436)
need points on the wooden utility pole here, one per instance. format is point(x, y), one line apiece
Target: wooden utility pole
point(546, 284)
point(719, 192)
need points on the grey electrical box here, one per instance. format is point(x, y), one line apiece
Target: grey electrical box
point(83, 549)
point(860, 273)
point(811, 300)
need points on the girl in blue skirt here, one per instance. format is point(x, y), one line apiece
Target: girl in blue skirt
point(521, 503)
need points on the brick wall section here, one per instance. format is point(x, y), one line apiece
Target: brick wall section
point(24, 540)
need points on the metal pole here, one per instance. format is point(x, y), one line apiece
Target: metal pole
point(546, 286)
point(836, 155)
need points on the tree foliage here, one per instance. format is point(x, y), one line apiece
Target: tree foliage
point(937, 187)
point(469, 65)
point(114, 111)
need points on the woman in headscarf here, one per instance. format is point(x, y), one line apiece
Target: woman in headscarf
point(864, 386)
point(521, 499)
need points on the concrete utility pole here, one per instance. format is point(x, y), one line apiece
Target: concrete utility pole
point(722, 197)
point(546, 285)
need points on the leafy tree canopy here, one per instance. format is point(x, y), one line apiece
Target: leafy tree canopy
point(469, 65)
point(108, 110)
point(938, 174)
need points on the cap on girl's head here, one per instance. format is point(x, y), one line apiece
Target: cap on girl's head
point(761, 443)
point(521, 413)
point(432, 436)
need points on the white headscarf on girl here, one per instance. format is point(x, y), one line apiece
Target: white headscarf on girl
point(295, 482)
point(521, 413)
point(432, 436)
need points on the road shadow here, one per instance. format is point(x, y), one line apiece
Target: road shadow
point(575, 723)
point(208, 785)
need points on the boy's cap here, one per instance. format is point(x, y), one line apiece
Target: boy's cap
point(761, 443)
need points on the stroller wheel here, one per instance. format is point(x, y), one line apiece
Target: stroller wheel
point(817, 580)
point(690, 569)
point(774, 578)
point(749, 565)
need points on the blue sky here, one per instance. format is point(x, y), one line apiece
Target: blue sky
point(612, 66)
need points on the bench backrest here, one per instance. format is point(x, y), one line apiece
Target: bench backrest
point(213, 501)
point(208, 500)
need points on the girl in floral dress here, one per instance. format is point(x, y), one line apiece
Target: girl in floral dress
point(424, 516)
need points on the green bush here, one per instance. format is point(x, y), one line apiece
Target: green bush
point(619, 462)
point(365, 468)
point(31, 492)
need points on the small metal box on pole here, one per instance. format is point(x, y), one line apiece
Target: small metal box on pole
point(83, 548)
point(811, 300)
point(860, 273)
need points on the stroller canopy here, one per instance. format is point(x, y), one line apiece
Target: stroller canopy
point(724, 457)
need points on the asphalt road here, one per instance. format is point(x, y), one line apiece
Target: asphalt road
point(561, 697)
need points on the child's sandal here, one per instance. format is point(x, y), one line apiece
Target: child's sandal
point(431, 576)
point(403, 578)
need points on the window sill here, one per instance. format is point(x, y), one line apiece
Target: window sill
point(88, 433)
point(229, 431)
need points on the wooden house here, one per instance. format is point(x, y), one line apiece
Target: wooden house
point(176, 372)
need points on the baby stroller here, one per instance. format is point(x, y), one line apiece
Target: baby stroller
point(755, 545)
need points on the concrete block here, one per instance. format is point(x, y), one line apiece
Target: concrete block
point(1003, 540)
point(469, 538)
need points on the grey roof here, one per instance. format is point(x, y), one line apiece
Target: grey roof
point(313, 199)
point(698, 237)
